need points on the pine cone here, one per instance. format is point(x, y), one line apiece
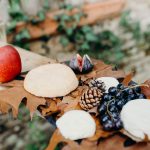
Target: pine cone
point(90, 98)
point(97, 84)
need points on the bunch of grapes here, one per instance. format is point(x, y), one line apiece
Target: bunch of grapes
point(113, 102)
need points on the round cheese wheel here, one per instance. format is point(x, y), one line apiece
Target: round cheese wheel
point(135, 116)
point(76, 124)
point(51, 80)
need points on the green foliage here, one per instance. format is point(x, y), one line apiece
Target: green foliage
point(105, 45)
point(15, 11)
point(17, 15)
point(130, 25)
point(20, 38)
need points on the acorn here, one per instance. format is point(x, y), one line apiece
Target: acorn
point(81, 64)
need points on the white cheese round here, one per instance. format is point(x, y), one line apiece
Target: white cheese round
point(135, 116)
point(76, 124)
point(51, 80)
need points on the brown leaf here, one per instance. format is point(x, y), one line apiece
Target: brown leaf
point(102, 70)
point(69, 104)
point(88, 145)
point(94, 111)
point(57, 138)
point(4, 107)
point(51, 107)
point(127, 79)
point(116, 142)
point(13, 97)
point(71, 101)
point(13, 83)
point(108, 72)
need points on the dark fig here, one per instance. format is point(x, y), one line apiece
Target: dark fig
point(81, 65)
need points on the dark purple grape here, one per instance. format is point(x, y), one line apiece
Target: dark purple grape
point(132, 96)
point(106, 97)
point(120, 104)
point(119, 95)
point(113, 108)
point(102, 109)
point(132, 83)
point(104, 118)
point(142, 96)
point(120, 86)
point(130, 91)
point(110, 98)
point(112, 91)
point(115, 115)
point(127, 91)
point(137, 90)
point(137, 95)
point(118, 124)
point(108, 125)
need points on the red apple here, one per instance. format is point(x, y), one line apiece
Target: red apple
point(10, 63)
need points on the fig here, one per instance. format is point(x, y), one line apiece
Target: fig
point(81, 64)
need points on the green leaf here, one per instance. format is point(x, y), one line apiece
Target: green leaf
point(85, 46)
point(91, 37)
point(46, 4)
point(65, 17)
point(69, 31)
point(24, 34)
point(69, 7)
point(64, 41)
point(79, 37)
point(86, 29)
point(41, 15)
point(77, 17)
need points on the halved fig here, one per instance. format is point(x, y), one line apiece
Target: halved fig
point(81, 64)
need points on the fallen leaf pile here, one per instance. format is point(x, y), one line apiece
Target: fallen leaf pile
point(15, 94)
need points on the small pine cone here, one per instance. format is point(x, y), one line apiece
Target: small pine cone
point(97, 84)
point(91, 98)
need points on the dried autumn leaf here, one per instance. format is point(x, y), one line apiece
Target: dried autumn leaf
point(13, 97)
point(13, 83)
point(88, 145)
point(50, 107)
point(94, 111)
point(67, 105)
point(4, 107)
point(103, 70)
point(146, 88)
point(58, 138)
point(116, 142)
point(127, 79)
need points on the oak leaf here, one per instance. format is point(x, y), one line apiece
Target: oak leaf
point(117, 142)
point(103, 70)
point(13, 96)
point(58, 138)
point(50, 107)
point(127, 79)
